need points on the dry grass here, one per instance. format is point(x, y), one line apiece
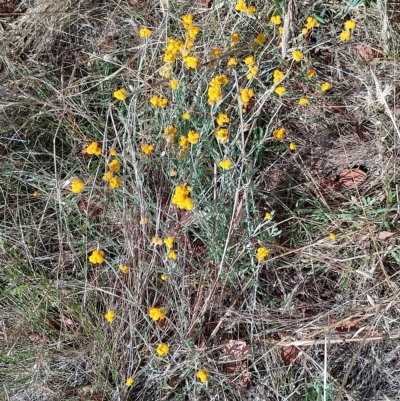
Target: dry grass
point(320, 317)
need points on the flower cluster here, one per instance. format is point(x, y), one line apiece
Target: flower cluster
point(158, 101)
point(276, 19)
point(147, 148)
point(114, 167)
point(348, 26)
point(242, 6)
point(94, 149)
point(310, 23)
point(77, 185)
point(214, 89)
point(261, 254)
point(251, 65)
point(278, 76)
point(145, 32)
point(110, 315)
point(297, 55)
point(120, 94)
point(97, 257)
point(162, 349)
point(156, 313)
point(202, 375)
point(181, 197)
point(279, 133)
point(245, 95)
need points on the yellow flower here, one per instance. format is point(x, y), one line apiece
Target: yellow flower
point(162, 349)
point(113, 152)
point(231, 62)
point(169, 132)
point(120, 94)
point(235, 37)
point(225, 164)
point(164, 277)
point(156, 241)
point(158, 101)
point(108, 175)
point(325, 86)
point(114, 165)
point(156, 313)
point(147, 148)
point(222, 134)
point(184, 142)
point(109, 315)
point(115, 182)
point(202, 375)
point(251, 10)
point(280, 90)
point(246, 95)
point(279, 133)
point(292, 146)
point(124, 269)
point(332, 236)
point(297, 55)
point(97, 257)
point(172, 255)
point(93, 149)
point(181, 197)
point(345, 36)
point(350, 24)
point(35, 193)
point(278, 76)
point(143, 221)
point(268, 216)
point(145, 32)
point(216, 52)
point(222, 119)
point(76, 186)
point(304, 31)
point(169, 242)
point(303, 101)
point(174, 84)
point(193, 137)
point(280, 30)
point(261, 254)
point(129, 381)
point(193, 31)
point(259, 40)
point(276, 19)
point(191, 61)
point(249, 60)
point(187, 20)
point(311, 23)
point(241, 6)
point(186, 116)
point(310, 73)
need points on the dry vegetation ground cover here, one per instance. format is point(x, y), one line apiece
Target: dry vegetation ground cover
point(248, 256)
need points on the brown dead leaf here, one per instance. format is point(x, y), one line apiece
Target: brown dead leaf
point(386, 234)
point(353, 325)
point(36, 338)
point(351, 177)
point(235, 350)
point(289, 354)
point(367, 53)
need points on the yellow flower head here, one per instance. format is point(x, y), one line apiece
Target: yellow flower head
point(193, 137)
point(297, 55)
point(120, 94)
point(345, 36)
point(261, 254)
point(251, 10)
point(124, 269)
point(304, 31)
point(145, 32)
point(268, 216)
point(172, 254)
point(77, 186)
point(147, 148)
point(222, 119)
point(280, 30)
point(191, 61)
point(216, 52)
point(164, 277)
point(156, 313)
point(231, 62)
point(97, 257)
point(222, 134)
point(129, 381)
point(156, 241)
point(225, 164)
point(235, 37)
point(173, 84)
point(108, 175)
point(292, 146)
point(114, 165)
point(169, 242)
point(249, 60)
point(110, 315)
point(241, 6)
point(202, 375)
point(278, 76)
point(113, 152)
point(310, 73)
point(170, 132)
point(93, 149)
point(184, 142)
point(332, 236)
point(181, 197)
point(246, 94)
point(193, 31)
point(186, 116)
point(114, 183)
point(350, 24)
point(279, 133)
point(303, 101)
point(276, 19)
point(162, 349)
point(311, 23)
point(280, 90)
point(325, 86)
point(158, 101)
point(187, 20)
